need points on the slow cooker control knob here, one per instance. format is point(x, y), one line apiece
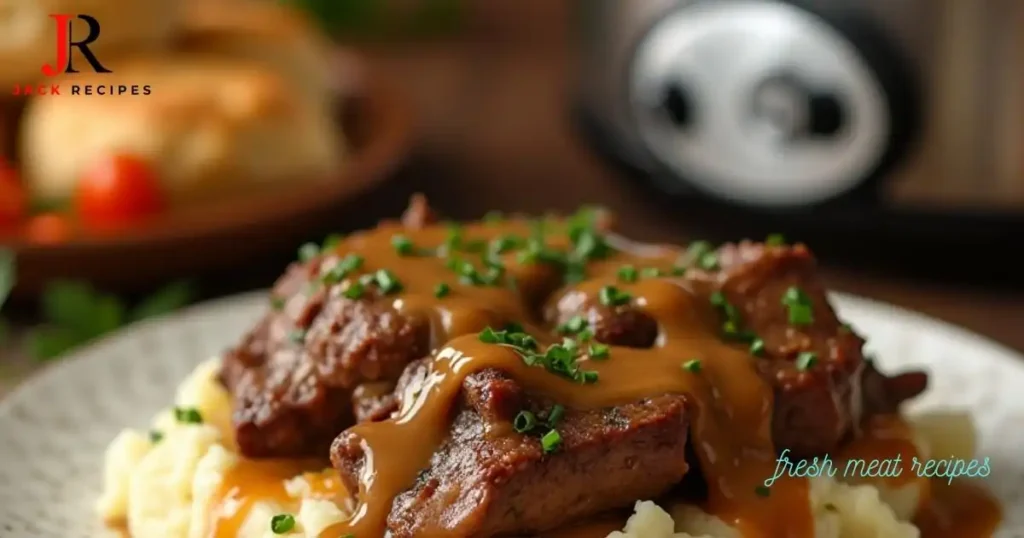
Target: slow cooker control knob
point(758, 103)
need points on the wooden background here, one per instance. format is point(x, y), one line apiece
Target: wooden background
point(493, 133)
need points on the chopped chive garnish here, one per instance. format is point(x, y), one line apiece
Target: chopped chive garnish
point(589, 377)
point(598, 351)
point(775, 240)
point(718, 299)
point(555, 416)
point(524, 422)
point(402, 245)
point(551, 441)
point(612, 296)
point(354, 290)
point(708, 261)
point(349, 263)
point(282, 523)
point(332, 241)
point(387, 282)
point(489, 336)
point(585, 335)
point(493, 217)
point(492, 276)
point(188, 415)
point(308, 251)
point(627, 273)
point(651, 272)
point(692, 365)
point(762, 491)
point(503, 244)
point(574, 325)
point(298, 336)
point(799, 305)
point(441, 289)
point(155, 436)
point(678, 271)
point(757, 347)
point(696, 251)
point(276, 303)
point(806, 360)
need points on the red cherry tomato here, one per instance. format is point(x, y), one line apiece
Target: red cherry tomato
point(118, 190)
point(13, 200)
point(48, 228)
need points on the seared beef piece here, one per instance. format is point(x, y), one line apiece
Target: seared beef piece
point(620, 326)
point(816, 409)
point(374, 401)
point(488, 480)
point(292, 377)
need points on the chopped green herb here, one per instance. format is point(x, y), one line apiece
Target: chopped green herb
point(282, 523)
point(775, 240)
point(806, 360)
point(332, 241)
point(387, 282)
point(588, 377)
point(718, 299)
point(402, 245)
point(276, 303)
point(551, 441)
point(696, 251)
point(441, 290)
point(555, 416)
point(678, 271)
point(799, 305)
point(298, 336)
point(692, 365)
point(651, 272)
point(155, 436)
point(490, 336)
point(354, 291)
point(492, 276)
point(585, 335)
point(524, 422)
point(351, 262)
point(188, 415)
point(598, 351)
point(612, 296)
point(574, 325)
point(762, 491)
point(308, 251)
point(493, 217)
point(504, 243)
point(708, 261)
point(757, 347)
point(627, 273)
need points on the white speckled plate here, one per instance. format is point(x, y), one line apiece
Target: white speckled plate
point(53, 429)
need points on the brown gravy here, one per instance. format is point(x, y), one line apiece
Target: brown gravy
point(732, 415)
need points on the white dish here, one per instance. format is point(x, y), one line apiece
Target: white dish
point(55, 427)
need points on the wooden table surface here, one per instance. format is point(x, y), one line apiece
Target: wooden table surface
point(494, 134)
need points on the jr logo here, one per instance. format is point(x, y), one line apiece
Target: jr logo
point(65, 41)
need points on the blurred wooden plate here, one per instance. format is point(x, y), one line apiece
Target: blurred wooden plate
point(190, 241)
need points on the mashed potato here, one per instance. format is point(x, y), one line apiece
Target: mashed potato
point(160, 483)
point(163, 483)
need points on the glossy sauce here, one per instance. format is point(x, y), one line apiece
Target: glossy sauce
point(963, 509)
point(731, 419)
point(731, 413)
point(251, 481)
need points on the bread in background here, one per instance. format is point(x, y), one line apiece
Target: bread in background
point(28, 34)
point(210, 125)
point(266, 32)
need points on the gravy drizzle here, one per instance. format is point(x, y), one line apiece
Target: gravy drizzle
point(731, 405)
